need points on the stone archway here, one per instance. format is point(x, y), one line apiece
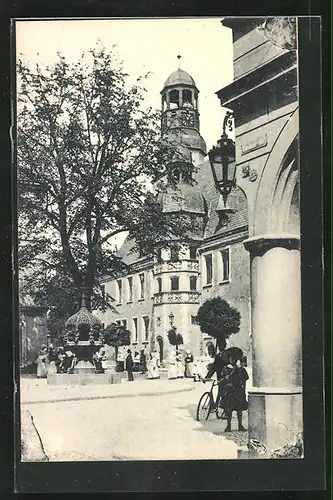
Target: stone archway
point(279, 173)
point(275, 400)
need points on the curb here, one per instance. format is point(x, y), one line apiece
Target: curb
point(31, 444)
point(109, 396)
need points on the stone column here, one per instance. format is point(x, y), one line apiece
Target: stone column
point(275, 400)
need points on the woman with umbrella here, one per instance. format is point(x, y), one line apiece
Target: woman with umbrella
point(232, 390)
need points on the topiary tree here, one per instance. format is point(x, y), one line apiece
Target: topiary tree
point(218, 319)
point(175, 338)
point(116, 336)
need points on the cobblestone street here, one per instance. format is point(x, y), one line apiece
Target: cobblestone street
point(161, 426)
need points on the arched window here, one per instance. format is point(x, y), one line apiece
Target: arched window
point(174, 99)
point(187, 98)
point(174, 283)
point(159, 285)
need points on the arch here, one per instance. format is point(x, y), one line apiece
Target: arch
point(277, 180)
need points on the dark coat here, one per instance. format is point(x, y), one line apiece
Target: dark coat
point(129, 363)
point(233, 395)
point(217, 366)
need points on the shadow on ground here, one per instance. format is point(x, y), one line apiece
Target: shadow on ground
point(216, 426)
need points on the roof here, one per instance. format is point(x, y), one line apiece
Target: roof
point(236, 200)
point(185, 198)
point(179, 77)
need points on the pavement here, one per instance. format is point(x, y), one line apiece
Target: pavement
point(142, 420)
point(33, 390)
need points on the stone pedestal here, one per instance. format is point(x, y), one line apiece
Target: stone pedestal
point(275, 400)
point(84, 367)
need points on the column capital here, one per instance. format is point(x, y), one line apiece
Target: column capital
point(259, 245)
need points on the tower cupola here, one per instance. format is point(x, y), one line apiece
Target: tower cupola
point(180, 113)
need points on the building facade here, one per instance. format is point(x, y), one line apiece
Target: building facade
point(168, 290)
point(264, 99)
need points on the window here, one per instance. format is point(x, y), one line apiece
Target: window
point(159, 284)
point(174, 283)
point(130, 288)
point(225, 257)
point(193, 252)
point(209, 268)
point(135, 329)
point(146, 325)
point(194, 320)
point(124, 323)
point(120, 290)
point(193, 283)
point(142, 285)
point(118, 322)
point(174, 254)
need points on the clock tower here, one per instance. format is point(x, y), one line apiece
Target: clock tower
point(180, 113)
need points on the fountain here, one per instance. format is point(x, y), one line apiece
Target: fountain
point(84, 338)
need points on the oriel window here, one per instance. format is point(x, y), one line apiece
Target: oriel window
point(174, 254)
point(193, 252)
point(174, 283)
point(193, 283)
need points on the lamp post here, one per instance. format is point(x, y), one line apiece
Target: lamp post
point(222, 160)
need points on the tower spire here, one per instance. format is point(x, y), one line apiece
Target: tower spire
point(179, 58)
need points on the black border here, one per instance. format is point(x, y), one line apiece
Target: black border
point(304, 474)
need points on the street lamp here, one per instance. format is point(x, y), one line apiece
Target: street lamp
point(223, 162)
point(171, 318)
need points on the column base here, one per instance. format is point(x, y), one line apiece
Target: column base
point(275, 423)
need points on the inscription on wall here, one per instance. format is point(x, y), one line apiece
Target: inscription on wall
point(258, 143)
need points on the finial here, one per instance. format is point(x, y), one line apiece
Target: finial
point(179, 58)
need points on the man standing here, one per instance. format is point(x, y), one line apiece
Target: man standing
point(129, 365)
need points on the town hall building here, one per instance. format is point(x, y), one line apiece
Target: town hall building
point(167, 290)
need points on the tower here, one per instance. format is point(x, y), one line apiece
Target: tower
point(180, 113)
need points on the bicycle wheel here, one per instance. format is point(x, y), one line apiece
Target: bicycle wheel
point(204, 407)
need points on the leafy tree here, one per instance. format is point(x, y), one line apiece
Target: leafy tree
point(86, 148)
point(175, 338)
point(218, 319)
point(116, 335)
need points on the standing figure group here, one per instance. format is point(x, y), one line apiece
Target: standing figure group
point(232, 378)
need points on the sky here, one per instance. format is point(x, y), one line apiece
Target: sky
point(145, 45)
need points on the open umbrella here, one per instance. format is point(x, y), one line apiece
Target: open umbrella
point(235, 352)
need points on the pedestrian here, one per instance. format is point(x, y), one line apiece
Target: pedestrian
point(153, 372)
point(42, 361)
point(189, 365)
point(129, 365)
point(180, 366)
point(143, 361)
point(233, 396)
point(172, 371)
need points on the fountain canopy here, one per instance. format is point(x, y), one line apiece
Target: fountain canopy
point(85, 324)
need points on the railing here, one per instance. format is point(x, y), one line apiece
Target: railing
point(182, 265)
point(177, 298)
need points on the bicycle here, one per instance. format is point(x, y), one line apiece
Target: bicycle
point(207, 404)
